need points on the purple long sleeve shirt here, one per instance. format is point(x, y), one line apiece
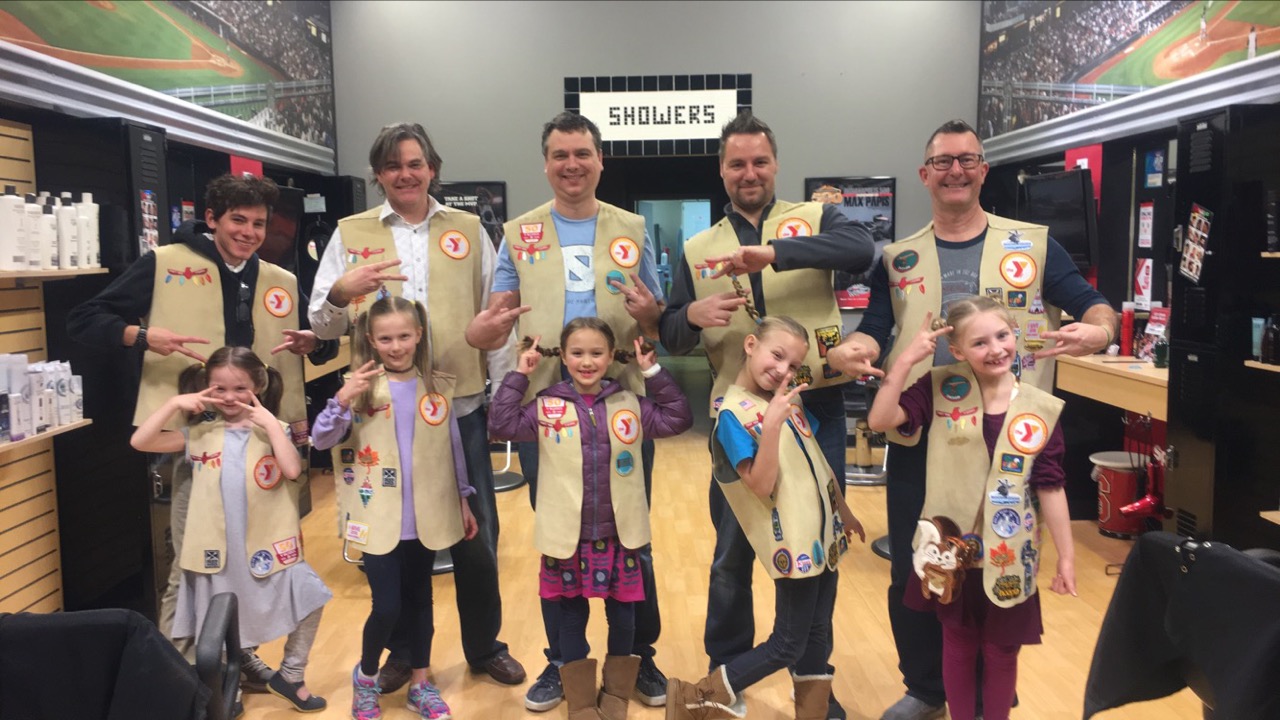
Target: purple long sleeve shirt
point(333, 423)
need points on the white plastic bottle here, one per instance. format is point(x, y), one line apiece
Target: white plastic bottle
point(68, 234)
point(48, 237)
point(13, 234)
point(87, 221)
point(31, 220)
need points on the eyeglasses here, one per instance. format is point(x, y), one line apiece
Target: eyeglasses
point(968, 161)
point(243, 311)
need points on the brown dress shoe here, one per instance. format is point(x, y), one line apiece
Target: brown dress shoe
point(393, 675)
point(503, 668)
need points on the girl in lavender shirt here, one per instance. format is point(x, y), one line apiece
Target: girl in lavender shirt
point(390, 332)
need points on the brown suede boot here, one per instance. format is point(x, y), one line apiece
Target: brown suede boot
point(617, 685)
point(579, 681)
point(812, 694)
point(710, 699)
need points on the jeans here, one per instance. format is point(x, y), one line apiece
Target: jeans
point(801, 637)
point(400, 587)
point(917, 635)
point(475, 561)
point(730, 627)
point(648, 619)
point(574, 614)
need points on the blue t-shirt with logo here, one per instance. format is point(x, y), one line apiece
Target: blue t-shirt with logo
point(577, 240)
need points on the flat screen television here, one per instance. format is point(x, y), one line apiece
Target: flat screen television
point(1064, 202)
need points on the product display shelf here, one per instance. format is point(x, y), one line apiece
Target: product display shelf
point(8, 447)
point(21, 275)
point(1271, 254)
point(1262, 366)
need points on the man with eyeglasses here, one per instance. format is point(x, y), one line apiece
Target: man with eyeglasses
point(964, 251)
point(207, 289)
point(766, 256)
point(420, 249)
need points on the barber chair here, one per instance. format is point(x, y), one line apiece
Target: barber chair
point(1191, 614)
point(505, 479)
point(122, 667)
point(858, 396)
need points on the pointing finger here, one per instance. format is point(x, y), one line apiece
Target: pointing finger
point(190, 353)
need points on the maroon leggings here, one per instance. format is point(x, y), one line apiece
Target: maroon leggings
point(960, 647)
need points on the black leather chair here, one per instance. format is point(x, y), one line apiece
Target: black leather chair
point(1191, 614)
point(219, 639)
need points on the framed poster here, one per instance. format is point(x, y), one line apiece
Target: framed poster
point(864, 199)
point(488, 199)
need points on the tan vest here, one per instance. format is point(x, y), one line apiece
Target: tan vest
point(534, 248)
point(454, 278)
point(964, 484)
point(370, 499)
point(558, 522)
point(1012, 271)
point(187, 298)
point(808, 296)
point(273, 536)
point(796, 533)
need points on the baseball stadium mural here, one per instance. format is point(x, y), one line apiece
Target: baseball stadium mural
point(267, 63)
point(1045, 59)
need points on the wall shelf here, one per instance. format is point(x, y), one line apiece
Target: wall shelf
point(1271, 254)
point(1262, 366)
point(49, 274)
point(26, 442)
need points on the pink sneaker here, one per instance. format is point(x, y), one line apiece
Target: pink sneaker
point(424, 699)
point(364, 697)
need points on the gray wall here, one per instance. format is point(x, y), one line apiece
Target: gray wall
point(850, 88)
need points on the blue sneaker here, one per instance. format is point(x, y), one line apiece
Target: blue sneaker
point(546, 692)
point(424, 699)
point(364, 697)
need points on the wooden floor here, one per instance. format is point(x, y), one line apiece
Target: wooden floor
point(1052, 675)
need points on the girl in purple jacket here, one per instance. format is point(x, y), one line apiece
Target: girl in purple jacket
point(592, 515)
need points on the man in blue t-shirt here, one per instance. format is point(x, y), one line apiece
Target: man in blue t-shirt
point(573, 161)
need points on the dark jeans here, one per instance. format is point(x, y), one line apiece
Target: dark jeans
point(475, 561)
point(730, 628)
point(648, 620)
point(400, 586)
point(917, 634)
point(574, 614)
point(801, 637)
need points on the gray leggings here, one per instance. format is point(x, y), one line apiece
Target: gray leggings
point(297, 648)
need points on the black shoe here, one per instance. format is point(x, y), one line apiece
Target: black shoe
point(237, 710)
point(282, 688)
point(254, 680)
point(834, 709)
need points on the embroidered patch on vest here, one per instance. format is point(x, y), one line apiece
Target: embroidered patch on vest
point(1012, 464)
point(1017, 299)
point(212, 559)
point(1028, 433)
point(1007, 587)
point(199, 277)
point(267, 472)
point(955, 387)
point(348, 475)
point(278, 301)
point(614, 276)
point(388, 477)
point(1015, 242)
point(905, 261)
point(348, 455)
point(800, 422)
point(433, 408)
point(625, 252)
point(287, 550)
point(794, 227)
point(1005, 522)
point(625, 463)
point(625, 425)
point(803, 563)
point(366, 492)
point(782, 561)
point(455, 245)
point(357, 532)
point(1018, 269)
point(355, 256)
point(261, 563)
point(777, 526)
point(213, 460)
